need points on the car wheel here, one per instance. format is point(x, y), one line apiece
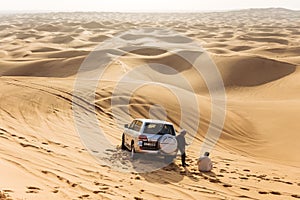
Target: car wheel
point(123, 147)
point(168, 144)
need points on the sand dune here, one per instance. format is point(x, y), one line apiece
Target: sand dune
point(257, 156)
point(252, 70)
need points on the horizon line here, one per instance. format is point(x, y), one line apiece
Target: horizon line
point(135, 11)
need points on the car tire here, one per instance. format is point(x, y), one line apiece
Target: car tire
point(123, 147)
point(168, 144)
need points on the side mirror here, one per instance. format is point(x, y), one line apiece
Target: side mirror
point(126, 126)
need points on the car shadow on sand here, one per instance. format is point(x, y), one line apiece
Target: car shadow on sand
point(153, 168)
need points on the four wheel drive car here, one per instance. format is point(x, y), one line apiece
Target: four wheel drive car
point(150, 136)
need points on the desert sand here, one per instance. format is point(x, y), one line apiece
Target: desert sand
point(257, 156)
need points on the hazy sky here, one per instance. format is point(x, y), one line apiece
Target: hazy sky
point(142, 5)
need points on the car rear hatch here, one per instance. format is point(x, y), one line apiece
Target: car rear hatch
point(150, 142)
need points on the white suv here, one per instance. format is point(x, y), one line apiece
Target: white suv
point(150, 136)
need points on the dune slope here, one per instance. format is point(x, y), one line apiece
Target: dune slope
point(256, 157)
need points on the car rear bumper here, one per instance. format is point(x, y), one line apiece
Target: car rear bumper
point(154, 152)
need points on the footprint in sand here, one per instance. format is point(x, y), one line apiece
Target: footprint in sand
point(262, 176)
point(8, 191)
point(282, 181)
point(243, 188)
point(32, 189)
point(227, 185)
point(212, 180)
point(244, 197)
point(296, 196)
point(262, 192)
point(104, 188)
point(28, 145)
point(74, 185)
point(83, 196)
point(98, 191)
point(275, 193)
point(96, 183)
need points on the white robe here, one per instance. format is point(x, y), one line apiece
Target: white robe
point(204, 164)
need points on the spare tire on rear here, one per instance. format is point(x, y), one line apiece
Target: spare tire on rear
point(168, 144)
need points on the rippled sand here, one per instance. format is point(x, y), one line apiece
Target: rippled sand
point(257, 52)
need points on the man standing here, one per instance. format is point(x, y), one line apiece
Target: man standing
point(204, 163)
point(181, 146)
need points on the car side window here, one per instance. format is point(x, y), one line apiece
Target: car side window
point(132, 124)
point(137, 126)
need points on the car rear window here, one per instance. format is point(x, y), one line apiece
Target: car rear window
point(157, 128)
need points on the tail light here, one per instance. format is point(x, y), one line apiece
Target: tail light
point(143, 138)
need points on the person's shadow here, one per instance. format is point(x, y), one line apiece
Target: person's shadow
point(158, 170)
point(192, 175)
point(208, 174)
point(169, 174)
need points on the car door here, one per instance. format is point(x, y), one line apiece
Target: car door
point(136, 129)
point(129, 134)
